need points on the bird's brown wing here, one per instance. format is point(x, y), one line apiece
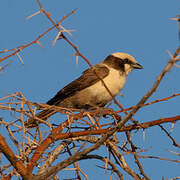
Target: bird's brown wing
point(87, 79)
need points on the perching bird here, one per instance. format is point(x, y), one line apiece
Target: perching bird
point(88, 92)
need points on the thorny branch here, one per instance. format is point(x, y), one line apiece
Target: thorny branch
point(35, 147)
point(78, 156)
point(20, 48)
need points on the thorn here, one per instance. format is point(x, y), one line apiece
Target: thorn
point(57, 38)
point(36, 13)
point(170, 54)
point(175, 19)
point(77, 55)
point(143, 135)
point(65, 30)
point(177, 65)
point(77, 59)
point(20, 57)
point(40, 45)
point(172, 127)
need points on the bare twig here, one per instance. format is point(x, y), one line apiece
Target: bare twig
point(174, 142)
point(109, 162)
point(133, 147)
point(160, 158)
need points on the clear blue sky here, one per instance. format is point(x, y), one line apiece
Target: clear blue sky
point(141, 28)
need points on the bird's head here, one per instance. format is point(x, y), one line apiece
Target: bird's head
point(122, 61)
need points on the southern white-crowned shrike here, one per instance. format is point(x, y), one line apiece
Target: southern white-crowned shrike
point(88, 92)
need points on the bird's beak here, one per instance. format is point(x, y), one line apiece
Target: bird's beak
point(137, 66)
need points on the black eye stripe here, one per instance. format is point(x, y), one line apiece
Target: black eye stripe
point(127, 61)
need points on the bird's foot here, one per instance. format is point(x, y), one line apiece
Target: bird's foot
point(101, 111)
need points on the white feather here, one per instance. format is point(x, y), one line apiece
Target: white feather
point(114, 81)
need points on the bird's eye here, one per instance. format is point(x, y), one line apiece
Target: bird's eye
point(126, 61)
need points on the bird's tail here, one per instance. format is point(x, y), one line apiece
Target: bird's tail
point(43, 115)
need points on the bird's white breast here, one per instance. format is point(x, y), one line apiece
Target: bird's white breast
point(114, 81)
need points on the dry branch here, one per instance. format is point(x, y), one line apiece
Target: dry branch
point(16, 163)
point(94, 127)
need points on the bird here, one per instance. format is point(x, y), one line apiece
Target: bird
point(88, 91)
